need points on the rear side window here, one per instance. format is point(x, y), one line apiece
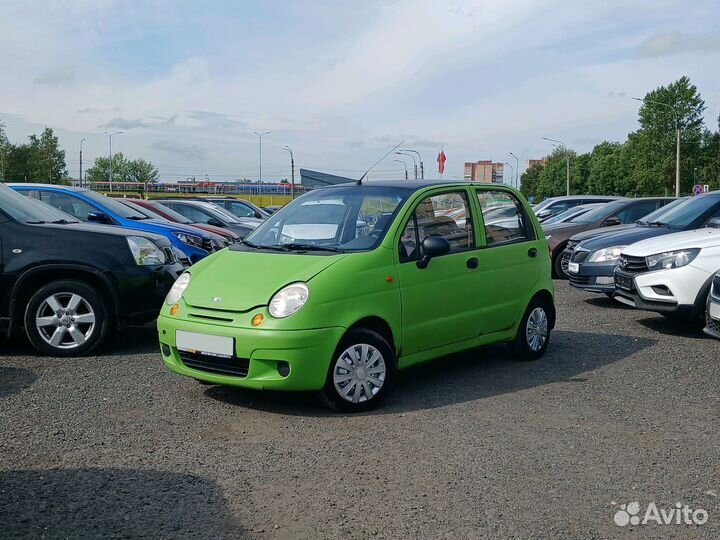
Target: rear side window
point(636, 211)
point(504, 217)
point(70, 205)
point(192, 213)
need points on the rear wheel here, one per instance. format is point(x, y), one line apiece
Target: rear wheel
point(533, 334)
point(66, 318)
point(361, 372)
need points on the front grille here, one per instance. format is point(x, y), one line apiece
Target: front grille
point(633, 265)
point(580, 255)
point(712, 325)
point(576, 279)
point(215, 364)
point(716, 286)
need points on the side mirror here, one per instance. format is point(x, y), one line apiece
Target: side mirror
point(612, 220)
point(714, 223)
point(433, 246)
point(215, 222)
point(544, 214)
point(99, 217)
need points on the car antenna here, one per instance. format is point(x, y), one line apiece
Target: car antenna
point(359, 182)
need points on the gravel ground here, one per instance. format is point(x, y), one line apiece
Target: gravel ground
point(623, 408)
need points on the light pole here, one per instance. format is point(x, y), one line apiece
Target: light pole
point(673, 108)
point(292, 171)
point(422, 165)
point(567, 160)
point(110, 136)
point(80, 177)
point(517, 170)
point(404, 153)
point(512, 173)
point(404, 165)
point(260, 136)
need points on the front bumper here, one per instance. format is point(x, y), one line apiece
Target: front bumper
point(307, 353)
point(142, 289)
point(672, 291)
point(712, 317)
point(593, 277)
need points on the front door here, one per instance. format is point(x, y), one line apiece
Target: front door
point(437, 303)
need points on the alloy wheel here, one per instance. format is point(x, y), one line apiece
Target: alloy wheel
point(65, 320)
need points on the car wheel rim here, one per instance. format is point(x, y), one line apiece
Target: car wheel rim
point(537, 329)
point(359, 373)
point(65, 320)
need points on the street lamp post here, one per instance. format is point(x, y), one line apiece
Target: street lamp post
point(673, 108)
point(80, 177)
point(260, 136)
point(292, 171)
point(512, 173)
point(422, 165)
point(110, 136)
point(404, 153)
point(404, 165)
point(567, 160)
point(517, 170)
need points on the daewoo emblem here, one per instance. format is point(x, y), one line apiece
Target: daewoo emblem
point(217, 298)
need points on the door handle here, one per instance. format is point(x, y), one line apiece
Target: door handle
point(532, 252)
point(472, 263)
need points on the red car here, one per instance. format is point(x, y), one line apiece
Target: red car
point(171, 215)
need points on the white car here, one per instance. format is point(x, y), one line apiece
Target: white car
point(670, 274)
point(712, 316)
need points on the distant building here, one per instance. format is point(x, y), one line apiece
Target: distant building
point(532, 162)
point(484, 171)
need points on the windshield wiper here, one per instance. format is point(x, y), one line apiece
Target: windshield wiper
point(657, 224)
point(138, 218)
point(63, 221)
point(310, 247)
point(35, 222)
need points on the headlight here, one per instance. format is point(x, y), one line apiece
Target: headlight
point(189, 239)
point(607, 254)
point(145, 251)
point(178, 288)
point(288, 300)
point(671, 259)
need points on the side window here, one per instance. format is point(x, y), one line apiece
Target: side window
point(636, 211)
point(239, 209)
point(70, 205)
point(447, 215)
point(505, 217)
point(193, 214)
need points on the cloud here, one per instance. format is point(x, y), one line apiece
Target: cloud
point(56, 77)
point(669, 43)
point(217, 120)
point(88, 110)
point(123, 123)
point(188, 151)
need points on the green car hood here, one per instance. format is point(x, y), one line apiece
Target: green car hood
point(242, 280)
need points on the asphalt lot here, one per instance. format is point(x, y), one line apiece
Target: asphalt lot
point(623, 408)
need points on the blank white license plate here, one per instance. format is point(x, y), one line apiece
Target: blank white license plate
point(204, 343)
point(714, 310)
point(573, 267)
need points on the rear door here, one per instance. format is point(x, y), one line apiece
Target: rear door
point(509, 260)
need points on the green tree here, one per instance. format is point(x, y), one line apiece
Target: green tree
point(48, 160)
point(553, 180)
point(4, 149)
point(139, 170)
point(530, 180)
point(609, 169)
point(100, 171)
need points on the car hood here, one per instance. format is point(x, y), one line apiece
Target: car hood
point(243, 280)
point(592, 233)
point(699, 238)
point(250, 222)
point(625, 237)
point(112, 230)
point(180, 227)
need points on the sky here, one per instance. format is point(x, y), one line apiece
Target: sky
point(343, 81)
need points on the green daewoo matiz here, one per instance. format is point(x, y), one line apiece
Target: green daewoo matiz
point(347, 284)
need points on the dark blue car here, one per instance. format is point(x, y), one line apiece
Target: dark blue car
point(87, 205)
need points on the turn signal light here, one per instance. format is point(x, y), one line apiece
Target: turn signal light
point(257, 319)
point(174, 309)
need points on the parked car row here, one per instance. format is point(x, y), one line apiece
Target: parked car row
point(666, 262)
point(75, 264)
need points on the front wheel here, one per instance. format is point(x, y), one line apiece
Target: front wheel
point(533, 334)
point(66, 318)
point(560, 272)
point(361, 372)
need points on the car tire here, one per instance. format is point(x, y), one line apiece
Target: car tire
point(533, 334)
point(66, 318)
point(557, 266)
point(363, 365)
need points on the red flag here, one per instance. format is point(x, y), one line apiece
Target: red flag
point(441, 161)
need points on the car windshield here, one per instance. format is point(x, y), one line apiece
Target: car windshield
point(599, 213)
point(348, 218)
point(686, 213)
point(144, 211)
point(655, 216)
point(26, 210)
point(114, 206)
point(175, 216)
point(221, 213)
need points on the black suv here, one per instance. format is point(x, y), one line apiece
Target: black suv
point(69, 283)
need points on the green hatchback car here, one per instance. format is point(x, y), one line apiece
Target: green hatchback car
point(346, 285)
